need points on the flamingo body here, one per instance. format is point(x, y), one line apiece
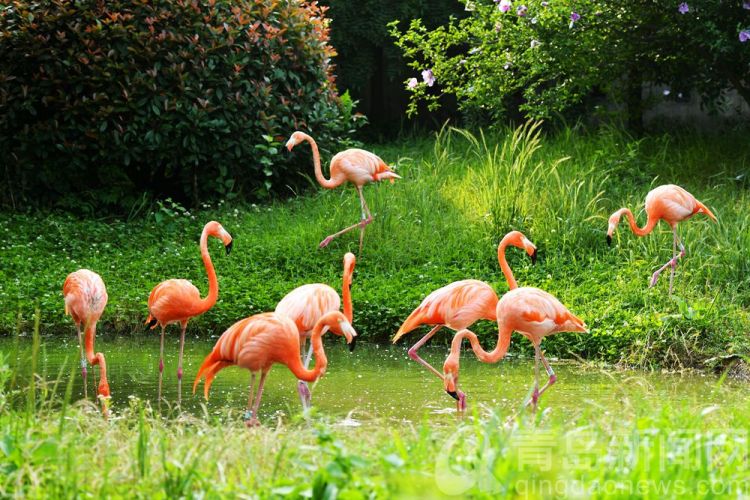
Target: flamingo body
point(536, 314)
point(85, 299)
point(173, 301)
point(260, 341)
point(306, 304)
point(669, 203)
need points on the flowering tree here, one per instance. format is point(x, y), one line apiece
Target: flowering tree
point(547, 57)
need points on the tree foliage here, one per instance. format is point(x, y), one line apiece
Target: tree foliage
point(101, 101)
point(548, 57)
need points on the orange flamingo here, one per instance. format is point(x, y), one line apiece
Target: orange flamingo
point(85, 299)
point(669, 203)
point(177, 300)
point(305, 305)
point(461, 304)
point(257, 342)
point(357, 166)
point(533, 313)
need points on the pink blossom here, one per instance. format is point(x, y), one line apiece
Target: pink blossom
point(744, 36)
point(428, 77)
point(505, 5)
point(521, 11)
point(683, 8)
point(412, 83)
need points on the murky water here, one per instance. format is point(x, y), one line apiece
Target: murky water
point(371, 382)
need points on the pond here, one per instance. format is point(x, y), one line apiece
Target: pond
point(372, 382)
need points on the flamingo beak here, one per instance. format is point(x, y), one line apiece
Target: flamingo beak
point(228, 247)
point(533, 258)
point(609, 240)
point(350, 334)
point(453, 394)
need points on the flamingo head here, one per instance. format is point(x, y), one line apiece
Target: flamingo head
point(518, 239)
point(339, 325)
point(614, 219)
point(349, 261)
point(295, 139)
point(217, 230)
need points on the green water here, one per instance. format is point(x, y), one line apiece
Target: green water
point(371, 382)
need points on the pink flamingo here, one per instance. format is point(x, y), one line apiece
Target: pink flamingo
point(85, 299)
point(533, 313)
point(178, 300)
point(305, 305)
point(357, 166)
point(669, 203)
point(461, 304)
point(258, 342)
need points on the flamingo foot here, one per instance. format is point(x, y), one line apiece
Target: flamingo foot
point(325, 242)
point(304, 394)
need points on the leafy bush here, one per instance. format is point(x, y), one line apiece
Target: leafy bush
point(547, 58)
point(100, 101)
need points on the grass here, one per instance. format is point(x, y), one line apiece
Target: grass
point(459, 194)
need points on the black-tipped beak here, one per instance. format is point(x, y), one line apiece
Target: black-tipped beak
point(151, 323)
point(609, 240)
point(533, 258)
point(453, 394)
point(228, 247)
point(352, 344)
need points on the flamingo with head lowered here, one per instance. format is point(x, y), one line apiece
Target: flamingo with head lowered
point(357, 166)
point(178, 300)
point(305, 305)
point(85, 299)
point(461, 304)
point(258, 342)
point(669, 203)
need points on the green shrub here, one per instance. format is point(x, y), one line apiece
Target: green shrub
point(100, 101)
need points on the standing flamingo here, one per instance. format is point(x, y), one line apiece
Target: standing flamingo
point(531, 312)
point(357, 166)
point(177, 300)
point(85, 299)
point(257, 342)
point(461, 304)
point(669, 203)
point(305, 305)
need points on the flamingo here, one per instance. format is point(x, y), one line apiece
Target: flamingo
point(306, 304)
point(669, 203)
point(85, 299)
point(257, 342)
point(357, 166)
point(533, 313)
point(461, 304)
point(178, 300)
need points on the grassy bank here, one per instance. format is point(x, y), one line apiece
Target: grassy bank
point(459, 194)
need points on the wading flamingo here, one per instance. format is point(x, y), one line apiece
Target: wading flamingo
point(257, 342)
point(531, 312)
point(305, 305)
point(669, 203)
point(357, 166)
point(461, 304)
point(85, 298)
point(176, 300)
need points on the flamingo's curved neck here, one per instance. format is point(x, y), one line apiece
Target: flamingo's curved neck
point(650, 223)
point(326, 183)
point(96, 358)
point(498, 353)
point(213, 284)
point(321, 362)
point(347, 295)
point(504, 265)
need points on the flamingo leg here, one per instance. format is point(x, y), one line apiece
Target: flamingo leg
point(413, 351)
point(535, 394)
point(249, 411)
point(253, 420)
point(179, 363)
point(361, 224)
point(366, 219)
point(161, 363)
point(84, 370)
point(302, 387)
point(672, 262)
point(550, 373)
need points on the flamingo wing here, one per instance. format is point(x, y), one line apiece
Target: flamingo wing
point(536, 312)
point(306, 304)
point(173, 300)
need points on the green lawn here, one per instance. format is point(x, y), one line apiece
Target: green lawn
point(441, 222)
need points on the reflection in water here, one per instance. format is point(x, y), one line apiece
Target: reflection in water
point(371, 382)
